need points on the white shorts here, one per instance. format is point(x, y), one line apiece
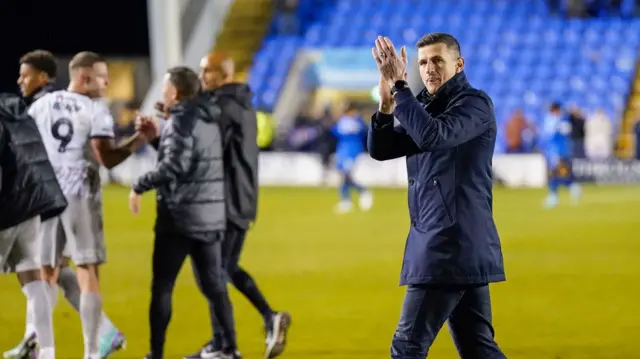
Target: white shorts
point(76, 234)
point(19, 247)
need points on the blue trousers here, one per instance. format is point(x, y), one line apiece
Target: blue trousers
point(427, 307)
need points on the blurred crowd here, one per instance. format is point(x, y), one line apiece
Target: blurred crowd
point(593, 132)
point(592, 135)
point(592, 8)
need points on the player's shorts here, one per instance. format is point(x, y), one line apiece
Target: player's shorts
point(77, 234)
point(19, 247)
point(346, 164)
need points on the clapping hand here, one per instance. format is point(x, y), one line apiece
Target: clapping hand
point(392, 68)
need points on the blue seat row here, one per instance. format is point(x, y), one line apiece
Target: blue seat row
point(515, 50)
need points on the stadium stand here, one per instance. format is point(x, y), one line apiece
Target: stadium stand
point(516, 51)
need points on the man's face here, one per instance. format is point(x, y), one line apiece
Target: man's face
point(438, 64)
point(96, 79)
point(30, 79)
point(169, 93)
point(209, 77)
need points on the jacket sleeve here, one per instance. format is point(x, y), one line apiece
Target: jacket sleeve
point(178, 152)
point(466, 119)
point(386, 141)
point(155, 143)
point(2, 145)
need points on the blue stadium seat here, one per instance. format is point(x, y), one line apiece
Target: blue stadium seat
point(520, 55)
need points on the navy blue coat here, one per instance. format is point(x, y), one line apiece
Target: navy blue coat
point(448, 140)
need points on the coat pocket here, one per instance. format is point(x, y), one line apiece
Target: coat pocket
point(438, 186)
point(433, 213)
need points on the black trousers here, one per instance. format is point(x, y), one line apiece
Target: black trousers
point(170, 251)
point(232, 245)
point(427, 307)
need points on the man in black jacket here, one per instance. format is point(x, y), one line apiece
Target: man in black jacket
point(38, 70)
point(453, 252)
point(29, 194)
point(191, 218)
point(239, 127)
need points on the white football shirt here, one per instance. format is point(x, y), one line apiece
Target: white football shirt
point(67, 121)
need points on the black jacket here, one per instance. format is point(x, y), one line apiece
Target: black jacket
point(28, 185)
point(38, 94)
point(239, 124)
point(448, 140)
point(189, 175)
point(15, 104)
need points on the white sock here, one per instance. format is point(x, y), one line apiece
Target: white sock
point(29, 326)
point(53, 295)
point(47, 353)
point(106, 327)
point(90, 314)
point(42, 313)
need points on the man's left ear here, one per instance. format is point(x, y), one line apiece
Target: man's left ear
point(459, 65)
point(43, 77)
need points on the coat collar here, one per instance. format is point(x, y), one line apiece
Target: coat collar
point(447, 91)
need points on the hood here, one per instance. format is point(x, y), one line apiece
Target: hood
point(238, 92)
point(36, 95)
point(11, 106)
point(198, 106)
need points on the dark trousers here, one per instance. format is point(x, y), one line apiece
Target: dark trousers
point(231, 249)
point(427, 307)
point(169, 252)
point(577, 148)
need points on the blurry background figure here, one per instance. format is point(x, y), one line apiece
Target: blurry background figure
point(520, 134)
point(287, 22)
point(599, 136)
point(265, 131)
point(556, 139)
point(576, 117)
point(577, 8)
point(553, 6)
point(350, 131)
point(327, 143)
point(636, 131)
point(306, 134)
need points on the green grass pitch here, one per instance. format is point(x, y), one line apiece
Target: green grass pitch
point(572, 290)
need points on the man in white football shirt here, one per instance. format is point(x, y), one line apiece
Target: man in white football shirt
point(77, 130)
point(38, 69)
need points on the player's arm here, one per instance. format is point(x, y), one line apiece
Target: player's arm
point(467, 118)
point(111, 154)
point(177, 144)
point(386, 141)
point(103, 144)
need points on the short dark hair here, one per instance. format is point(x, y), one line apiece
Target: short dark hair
point(85, 59)
point(185, 80)
point(440, 38)
point(555, 106)
point(41, 60)
point(352, 106)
